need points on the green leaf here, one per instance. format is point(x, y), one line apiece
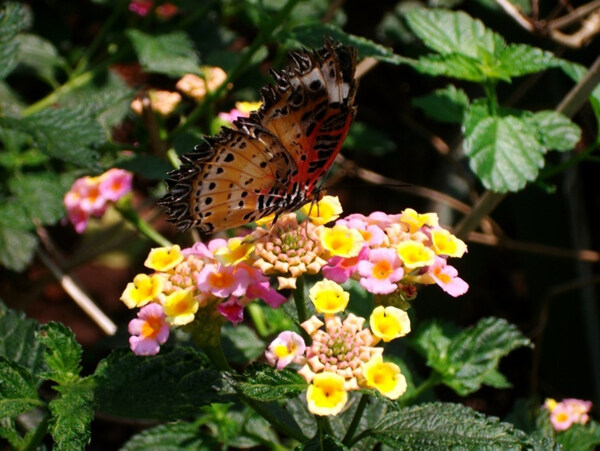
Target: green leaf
point(311, 35)
point(180, 436)
point(172, 385)
point(448, 32)
point(366, 139)
point(453, 65)
point(17, 248)
point(444, 105)
point(521, 59)
point(171, 54)
point(106, 98)
point(18, 393)
point(13, 19)
point(265, 383)
point(62, 133)
point(298, 410)
point(18, 341)
point(41, 195)
point(503, 150)
point(437, 426)
point(40, 56)
point(72, 413)
point(555, 131)
point(241, 344)
point(468, 359)
point(580, 437)
point(63, 353)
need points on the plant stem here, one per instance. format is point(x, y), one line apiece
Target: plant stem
point(490, 92)
point(431, 381)
point(258, 318)
point(33, 441)
point(142, 226)
point(364, 400)
point(299, 300)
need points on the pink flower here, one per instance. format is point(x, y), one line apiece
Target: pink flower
point(232, 115)
point(141, 8)
point(579, 409)
point(381, 271)
point(286, 348)
point(222, 281)
point(166, 10)
point(339, 269)
point(264, 291)
point(90, 198)
point(232, 309)
point(561, 417)
point(115, 183)
point(78, 218)
point(149, 330)
point(446, 277)
point(199, 249)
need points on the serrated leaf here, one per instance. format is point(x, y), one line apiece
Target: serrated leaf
point(305, 420)
point(437, 426)
point(311, 35)
point(106, 98)
point(445, 105)
point(63, 353)
point(449, 32)
point(265, 383)
point(13, 19)
point(18, 393)
point(18, 341)
point(41, 194)
point(522, 59)
point(17, 248)
point(172, 385)
point(503, 151)
point(171, 54)
point(555, 131)
point(72, 414)
point(326, 442)
point(474, 354)
point(62, 133)
point(180, 436)
point(580, 437)
point(453, 65)
point(368, 140)
point(432, 340)
point(39, 55)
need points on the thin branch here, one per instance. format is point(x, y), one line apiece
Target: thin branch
point(514, 12)
point(574, 16)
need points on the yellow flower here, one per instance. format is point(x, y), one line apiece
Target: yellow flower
point(326, 210)
point(341, 241)
point(236, 251)
point(328, 297)
point(180, 307)
point(164, 258)
point(385, 377)
point(444, 243)
point(415, 254)
point(415, 220)
point(388, 323)
point(247, 107)
point(142, 290)
point(266, 220)
point(326, 394)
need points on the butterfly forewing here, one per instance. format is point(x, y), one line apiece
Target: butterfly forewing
point(271, 161)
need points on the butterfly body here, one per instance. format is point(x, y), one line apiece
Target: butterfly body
point(272, 161)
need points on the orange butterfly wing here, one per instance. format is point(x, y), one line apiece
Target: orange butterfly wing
point(271, 161)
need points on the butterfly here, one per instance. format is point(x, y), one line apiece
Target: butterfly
point(270, 162)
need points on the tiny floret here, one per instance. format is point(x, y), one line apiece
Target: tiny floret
point(142, 290)
point(286, 348)
point(414, 254)
point(328, 297)
point(326, 394)
point(164, 258)
point(325, 210)
point(385, 377)
point(388, 323)
point(341, 241)
point(180, 307)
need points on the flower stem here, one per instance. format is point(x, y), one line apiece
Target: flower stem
point(258, 318)
point(299, 300)
point(362, 404)
point(431, 381)
point(127, 211)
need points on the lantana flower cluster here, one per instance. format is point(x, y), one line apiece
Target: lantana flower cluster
point(207, 283)
point(342, 355)
point(90, 196)
point(567, 412)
